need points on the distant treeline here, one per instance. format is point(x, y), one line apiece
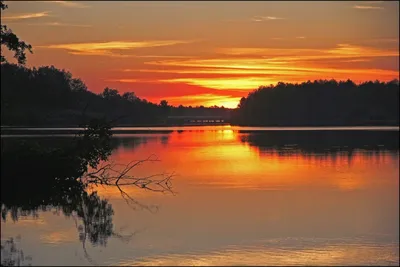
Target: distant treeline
point(320, 103)
point(47, 96)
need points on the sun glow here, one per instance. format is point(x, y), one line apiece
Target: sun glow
point(206, 100)
point(225, 83)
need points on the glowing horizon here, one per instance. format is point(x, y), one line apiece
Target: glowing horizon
point(171, 51)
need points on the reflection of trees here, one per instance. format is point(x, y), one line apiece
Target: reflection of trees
point(40, 178)
point(11, 255)
point(130, 142)
point(164, 139)
point(321, 142)
point(96, 224)
point(93, 218)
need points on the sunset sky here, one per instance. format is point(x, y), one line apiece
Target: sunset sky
point(209, 53)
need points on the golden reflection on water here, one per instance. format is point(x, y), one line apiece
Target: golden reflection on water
point(230, 190)
point(219, 159)
point(233, 193)
point(320, 256)
point(58, 237)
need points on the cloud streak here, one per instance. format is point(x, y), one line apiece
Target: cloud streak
point(340, 51)
point(384, 40)
point(73, 4)
point(225, 71)
point(26, 16)
point(108, 48)
point(238, 83)
point(368, 7)
point(124, 80)
point(248, 68)
point(59, 24)
point(265, 18)
point(256, 65)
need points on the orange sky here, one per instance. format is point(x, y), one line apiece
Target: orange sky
point(209, 53)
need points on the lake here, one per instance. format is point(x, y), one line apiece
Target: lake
point(240, 196)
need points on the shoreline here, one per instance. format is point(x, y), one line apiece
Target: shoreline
point(14, 131)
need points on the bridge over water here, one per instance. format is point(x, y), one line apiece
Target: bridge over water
point(197, 120)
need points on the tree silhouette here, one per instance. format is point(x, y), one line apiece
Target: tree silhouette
point(164, 103)
point(110, 93)
point(77, 84)
point(130, 96)
point(165, 107)
point(321, 103)
point(11, 41)
point(47, 96)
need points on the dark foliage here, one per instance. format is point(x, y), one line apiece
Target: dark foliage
point(321, 103)
point(35, 177)
point(47, 96)
point(11, 41)
point(62, 176)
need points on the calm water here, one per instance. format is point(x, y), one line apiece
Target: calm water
point(241, 198)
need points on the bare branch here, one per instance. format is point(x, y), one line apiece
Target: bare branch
point(110, 175)
point(134, 203)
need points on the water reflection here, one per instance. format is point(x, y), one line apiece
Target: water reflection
point(269, 160)
point(322, 142)
point(12, 255)
point(34, 180)
point(39, 176)
point(133, 141)
point(318, 254)
point(244, 198)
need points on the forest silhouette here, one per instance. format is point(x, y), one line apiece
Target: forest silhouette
point(321, 103)
point(47, 96)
